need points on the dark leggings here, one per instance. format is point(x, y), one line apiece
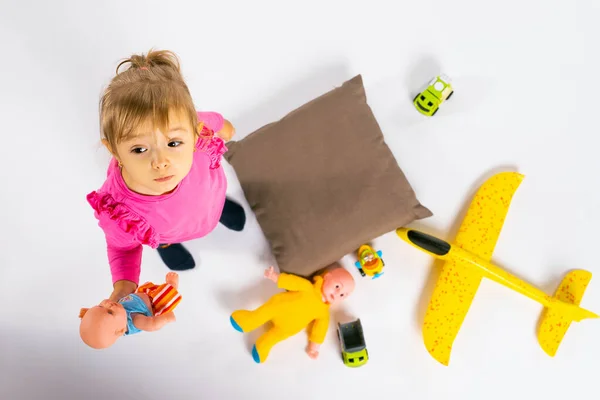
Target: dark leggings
point(233, 216)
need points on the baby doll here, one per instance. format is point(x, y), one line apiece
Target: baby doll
point(148, 309)
point(303, 303)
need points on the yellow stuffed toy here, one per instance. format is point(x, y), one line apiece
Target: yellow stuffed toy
point(303, 303)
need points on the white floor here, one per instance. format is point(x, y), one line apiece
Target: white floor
point(526, 92)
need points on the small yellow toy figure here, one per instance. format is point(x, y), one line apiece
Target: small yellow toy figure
point(148, 309)
point(303, 303)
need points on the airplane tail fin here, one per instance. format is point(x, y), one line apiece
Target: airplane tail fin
point(556, 319)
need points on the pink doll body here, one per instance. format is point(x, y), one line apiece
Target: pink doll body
point(148, 309)
point(304, 303)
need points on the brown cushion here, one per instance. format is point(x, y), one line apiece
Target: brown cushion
point(321, 181)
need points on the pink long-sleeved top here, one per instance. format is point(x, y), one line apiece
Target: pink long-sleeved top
point(130, 220)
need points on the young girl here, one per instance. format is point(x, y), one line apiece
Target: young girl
point(165, 183)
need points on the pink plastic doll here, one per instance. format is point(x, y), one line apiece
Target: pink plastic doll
point(304, 303)
point(148, 309)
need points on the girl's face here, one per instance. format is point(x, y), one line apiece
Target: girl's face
point(155, 162)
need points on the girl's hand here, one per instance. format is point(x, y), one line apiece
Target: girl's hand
point(227, 131)
point(121, 289)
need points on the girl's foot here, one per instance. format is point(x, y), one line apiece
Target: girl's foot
point(176, 257)
point(173, 279)
point(233, 216)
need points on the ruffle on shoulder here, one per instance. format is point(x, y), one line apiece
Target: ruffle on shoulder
point(212, 145)
point(127, 220)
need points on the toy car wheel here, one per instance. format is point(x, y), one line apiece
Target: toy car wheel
point(436, 110)
point(450, 95)
point(362, 273)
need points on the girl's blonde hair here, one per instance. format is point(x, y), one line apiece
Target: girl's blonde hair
point(150, 88)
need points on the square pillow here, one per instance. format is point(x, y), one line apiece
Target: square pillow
point(321, 180)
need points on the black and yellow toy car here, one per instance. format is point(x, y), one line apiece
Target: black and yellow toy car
point(352, 340)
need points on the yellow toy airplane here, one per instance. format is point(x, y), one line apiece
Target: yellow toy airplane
point(467, 261)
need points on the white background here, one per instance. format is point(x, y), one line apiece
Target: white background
point(526, 99)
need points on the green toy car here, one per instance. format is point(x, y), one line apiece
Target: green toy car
point(429, 100)
point(352, 340)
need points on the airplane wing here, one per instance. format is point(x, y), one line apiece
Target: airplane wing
point(483, 222)
point(459, 281)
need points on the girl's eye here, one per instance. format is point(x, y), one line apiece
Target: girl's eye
point(138, 150)
point(174, 143)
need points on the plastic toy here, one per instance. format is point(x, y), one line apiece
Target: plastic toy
point(352, 342)
point(429, 100)
point(369, 262)
point(467, 261)
point(304, 303)
point(148, 309)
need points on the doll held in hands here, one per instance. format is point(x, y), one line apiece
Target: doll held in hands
point(148, 309)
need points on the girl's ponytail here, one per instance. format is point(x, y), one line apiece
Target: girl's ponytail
point(164, 60)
